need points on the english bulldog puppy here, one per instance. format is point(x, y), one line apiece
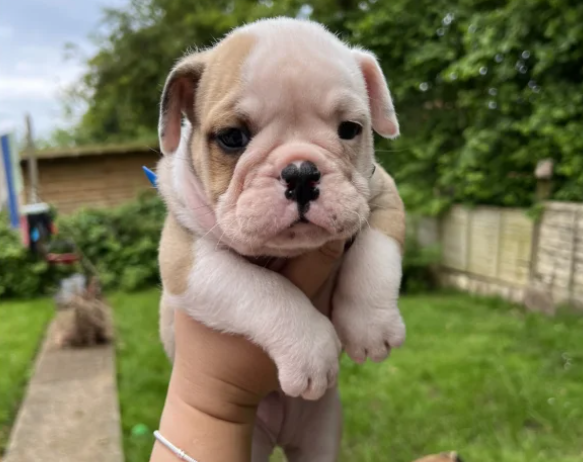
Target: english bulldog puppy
point(268, 153)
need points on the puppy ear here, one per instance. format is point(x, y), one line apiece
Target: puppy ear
point(178, 99)
point(384, 118)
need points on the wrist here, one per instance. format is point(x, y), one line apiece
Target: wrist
point(211, 367)
point(207, 431)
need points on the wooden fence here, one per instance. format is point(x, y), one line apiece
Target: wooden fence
point(558, 257)
point(498, 251)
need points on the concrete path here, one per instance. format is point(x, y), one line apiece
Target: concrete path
point(70, 412)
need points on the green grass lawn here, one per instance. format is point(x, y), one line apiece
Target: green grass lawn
point(143, 370)
point(22, 326)
point(477, 376)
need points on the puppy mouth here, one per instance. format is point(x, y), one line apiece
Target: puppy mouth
point(302, 224)
point(300, 234)
point(301, 219)
point(304, 230)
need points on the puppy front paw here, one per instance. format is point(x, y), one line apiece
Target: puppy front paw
point(364, 306)
point(310, 366)
point(367, 331)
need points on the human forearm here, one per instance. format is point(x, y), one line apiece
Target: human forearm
point(202, 436)
point(217, 383)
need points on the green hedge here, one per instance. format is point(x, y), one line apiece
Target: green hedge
point(420, 263)
point(20, 274)
point(122, 243)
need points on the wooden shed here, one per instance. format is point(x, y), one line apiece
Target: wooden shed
point(92, 176)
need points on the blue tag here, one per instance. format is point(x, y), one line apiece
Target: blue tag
point(34, 235)
point(151, 176)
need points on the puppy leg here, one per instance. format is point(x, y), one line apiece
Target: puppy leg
point(167, 328)
point(262, 446)
point(229, 294)
point(365, 311)
point(319, 432)
point(175, 260)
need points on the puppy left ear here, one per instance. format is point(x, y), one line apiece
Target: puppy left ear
point(384, 118)
point(178, 99)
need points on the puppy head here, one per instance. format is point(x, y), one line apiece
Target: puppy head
point(278, 149)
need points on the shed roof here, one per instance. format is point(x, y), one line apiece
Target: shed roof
point(94, 150)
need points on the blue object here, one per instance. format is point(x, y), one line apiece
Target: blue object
point(8, 169)
point(35, 235)
point(151, 176)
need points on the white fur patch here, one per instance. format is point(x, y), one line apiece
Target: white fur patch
point(364, 307)
point(229, 294)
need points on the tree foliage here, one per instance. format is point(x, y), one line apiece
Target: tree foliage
point(484, 88)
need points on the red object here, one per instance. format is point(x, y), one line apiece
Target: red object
point(64, 258)
point(24, 232)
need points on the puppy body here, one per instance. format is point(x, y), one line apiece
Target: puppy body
point(288, 85)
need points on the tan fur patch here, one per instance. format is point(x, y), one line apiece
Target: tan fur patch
point(218, 92)
point(175, 256)
point(387, 209)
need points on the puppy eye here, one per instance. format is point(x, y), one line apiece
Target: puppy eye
point(349, 130)
point(233, 139)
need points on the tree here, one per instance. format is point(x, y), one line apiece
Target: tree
point(484, 88)
point(124, 79)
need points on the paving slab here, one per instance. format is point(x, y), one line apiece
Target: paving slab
point(70, 412)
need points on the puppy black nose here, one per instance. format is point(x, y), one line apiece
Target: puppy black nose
point(301, 184)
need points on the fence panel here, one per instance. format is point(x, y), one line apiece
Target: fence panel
point(502, 251)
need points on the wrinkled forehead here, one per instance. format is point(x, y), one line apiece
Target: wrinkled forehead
point(291, 70)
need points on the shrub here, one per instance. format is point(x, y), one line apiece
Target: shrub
point(419, 267)
point(122, 244)
point(420, 261)
point(20, 274)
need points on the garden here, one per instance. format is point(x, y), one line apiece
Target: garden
point(476, 375)
point(484, 91)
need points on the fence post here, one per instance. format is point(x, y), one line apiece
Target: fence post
point(573, 268)
point(31, 163)
point(544, 177)
point(543, 174)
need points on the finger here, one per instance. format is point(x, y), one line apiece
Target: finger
point(310, 271)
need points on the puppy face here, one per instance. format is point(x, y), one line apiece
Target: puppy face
point(279, 150)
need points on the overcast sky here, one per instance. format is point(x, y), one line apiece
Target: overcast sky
point(33, 68)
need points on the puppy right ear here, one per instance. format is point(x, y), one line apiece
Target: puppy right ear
point(384, 118)
point(178, 99)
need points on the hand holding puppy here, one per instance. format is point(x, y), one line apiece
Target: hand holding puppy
point(218, 380)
